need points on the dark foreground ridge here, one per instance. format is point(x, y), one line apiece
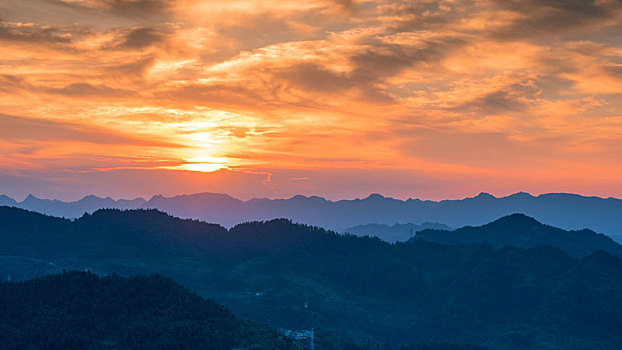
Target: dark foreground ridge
point(80, 310)
point(301, 277)
point(83, 311)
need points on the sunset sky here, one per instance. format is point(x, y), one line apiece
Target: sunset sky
point(429, 99)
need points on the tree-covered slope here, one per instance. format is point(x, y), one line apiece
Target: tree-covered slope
point(84, 311)
point(519, 230)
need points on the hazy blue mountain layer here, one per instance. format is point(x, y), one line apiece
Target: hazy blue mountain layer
point(393, 233)
point(567, 211)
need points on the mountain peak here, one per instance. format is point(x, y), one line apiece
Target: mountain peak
point(201, 195)
point(31, 197)
point(208, 195)
point(92, 197)
point(6, 200)
point(299, 197)
point(520, 194)
point(520, 230)
point(484, 195)
point(375, 196)
point(516, 219)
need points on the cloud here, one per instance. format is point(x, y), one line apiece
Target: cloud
point(14, 128)
point(296, 72)
point(130, 68)
point(251, 31)
point(552, 17)
point(137, 7)
point(33, 33)
point(513, 98)
point(314, 76)
point(91, 91)
point(11, 83)
point(129, 8)
point(384, 59)
point(140, 37)
point(614, 70)
point(214, 95)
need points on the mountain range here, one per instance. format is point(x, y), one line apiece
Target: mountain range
point(74, 209)
point(518, 230)
point(296, 276)
point(567, 211)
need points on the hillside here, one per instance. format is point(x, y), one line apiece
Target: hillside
point(519, 230)
point(300, 277)
point(84, 311)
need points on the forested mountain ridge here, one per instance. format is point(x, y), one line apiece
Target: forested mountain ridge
point(567, 211)
point(300, 277)
point(84, 311)
point(519, 230)
point(81, 310)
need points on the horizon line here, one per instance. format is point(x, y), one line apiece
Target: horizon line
point(370, 195)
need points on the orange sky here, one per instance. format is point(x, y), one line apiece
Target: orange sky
point(431, 99)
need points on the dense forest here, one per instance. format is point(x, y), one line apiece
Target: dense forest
point(345, 287)
point(80, 310)
point(84, 311)
point(519, 230)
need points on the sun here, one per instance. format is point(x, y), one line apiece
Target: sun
point(204, 167)
point(205, 164)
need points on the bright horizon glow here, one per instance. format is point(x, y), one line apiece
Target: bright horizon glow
point(205, 164)
point(432, 99)
point(203, 167)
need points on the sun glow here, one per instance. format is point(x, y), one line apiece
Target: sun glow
point(203, 167)
point(205, 164)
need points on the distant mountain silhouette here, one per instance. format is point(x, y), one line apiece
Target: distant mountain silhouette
point(567, 211)
point(83, 311)
point(519, 230)
point(75, 209)
point(8, 201)
point(210, 207)
point(299, 277)
point(394, 233)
